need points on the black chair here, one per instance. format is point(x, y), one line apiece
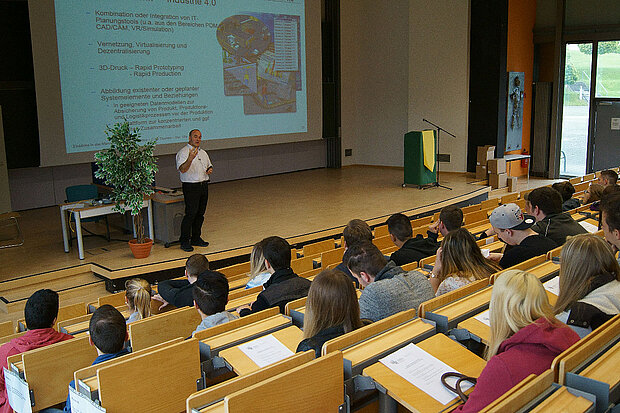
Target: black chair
point(84, 192)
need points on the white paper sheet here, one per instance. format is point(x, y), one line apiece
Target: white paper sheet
point(485, 252)
point(422, 370)
point(483, 317)
point(553, 285)
point(82, 404)
point(17, 392)
point(588, 227)
point(265, 350)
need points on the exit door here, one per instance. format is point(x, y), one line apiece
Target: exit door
point(606, 142)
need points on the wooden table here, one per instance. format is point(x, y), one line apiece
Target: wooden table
point(563, 401)
point(411, 397)
point(290, 336)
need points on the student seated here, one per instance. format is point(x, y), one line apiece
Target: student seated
point(525, 337)
point(107, 332)
point(388, 289)
point(355, 232)
point(593, 193)
point(179, 292)
point(545, 205)
point(210, 298)
point(589, 284)
point(566, 190)
point(331, 310)
point(414, 249)
point(40, 313)
point(514, 228)
point(258, 270)
point(459, 262)
point(608, 178)
point(283, 285)
point(610, 221)
point(138, 298)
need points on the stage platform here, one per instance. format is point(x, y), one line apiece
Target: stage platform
point(300, 206)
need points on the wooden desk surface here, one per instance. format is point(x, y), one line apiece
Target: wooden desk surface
point(605, 368)
point(365, 350)
point(563, 401)
point(244, 332)
point(241, 364)
point(414, 399)
point(246, 299)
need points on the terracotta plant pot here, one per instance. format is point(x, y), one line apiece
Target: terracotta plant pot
point(141, 250)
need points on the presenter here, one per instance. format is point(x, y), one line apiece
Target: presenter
point(194, 167)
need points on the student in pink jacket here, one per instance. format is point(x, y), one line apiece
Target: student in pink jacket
point(525, 337)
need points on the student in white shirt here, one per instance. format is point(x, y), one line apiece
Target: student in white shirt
point(194, 168)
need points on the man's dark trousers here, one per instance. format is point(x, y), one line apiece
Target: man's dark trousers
point(196, 196)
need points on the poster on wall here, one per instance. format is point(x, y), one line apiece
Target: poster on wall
point(514, 110)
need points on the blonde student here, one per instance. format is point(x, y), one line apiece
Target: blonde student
point(259, 274)
point(525, 337)
point(589, 283)
point(138, 298)
point(331, 310)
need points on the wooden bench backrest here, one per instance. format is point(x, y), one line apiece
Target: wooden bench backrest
point(48, 370)
point(236, 269)
point(421, 222)
point(383, 242)
point(473, 217)
point(452, 296)
point(91, 371)
point(589, 177)
point(231, 325)
point(554, 252)
point(489, 203)
point(470, 208)
point(363, 333)
point(274, 394)
point(331, 257)
point(525, 391)
point(585, 348)
point(115, 300)
point(7, 328)
point(312, 273)
point(292, 305)
point(427, 261)
point(575, 180)
point(161, 380)
point(524, 266)
point(163, 327)
point(582, 186)
point(302, 264)
point(506, 199)
point(233, 295)
point(521, 204)
point(219, 391)
point(319, 247)
point(381, 231)
point(410, 267)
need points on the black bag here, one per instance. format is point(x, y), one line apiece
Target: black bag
point(457, 386)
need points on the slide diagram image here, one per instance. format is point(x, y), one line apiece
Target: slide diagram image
point(261, 61)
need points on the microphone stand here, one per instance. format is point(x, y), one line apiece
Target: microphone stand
point(439, 129)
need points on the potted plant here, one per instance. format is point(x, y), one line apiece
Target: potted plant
point(129, 168)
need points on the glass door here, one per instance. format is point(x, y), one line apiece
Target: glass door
point(576, 110)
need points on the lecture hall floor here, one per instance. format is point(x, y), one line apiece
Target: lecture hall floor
point(297, 206)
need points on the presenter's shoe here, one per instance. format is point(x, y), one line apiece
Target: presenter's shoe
point(186, 247)
point(200, 243)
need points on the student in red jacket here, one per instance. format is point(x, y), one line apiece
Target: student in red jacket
point(525, 337)
point(40, 312)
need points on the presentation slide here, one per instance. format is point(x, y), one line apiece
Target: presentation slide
point(234, 68)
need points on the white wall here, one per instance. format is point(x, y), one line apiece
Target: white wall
point(402, 61)
point(374, 70)
point(439, 73)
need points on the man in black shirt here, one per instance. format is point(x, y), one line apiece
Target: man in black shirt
point(414, 249)
point(179, 292)
point(514, 228)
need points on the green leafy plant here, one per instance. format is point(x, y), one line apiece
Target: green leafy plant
point(129, 168)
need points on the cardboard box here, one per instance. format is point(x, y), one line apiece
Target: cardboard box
point(512, 184)
point(496, 166)
point(481, 172)
point(485, 153)
point(498, 180)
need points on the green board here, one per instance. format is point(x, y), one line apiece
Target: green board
point(415, 171)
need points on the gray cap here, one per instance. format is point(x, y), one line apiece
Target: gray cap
point(509, 216)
